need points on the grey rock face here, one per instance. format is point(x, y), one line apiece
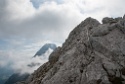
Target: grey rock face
point(55, 55)
point(124, 17)
point(108, 20)
point(94, 53)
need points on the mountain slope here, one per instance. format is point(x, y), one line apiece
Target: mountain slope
point(16, 77)
point(5, 73)
point(92, 54)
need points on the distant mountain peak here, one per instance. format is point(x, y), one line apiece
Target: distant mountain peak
point(44, 49)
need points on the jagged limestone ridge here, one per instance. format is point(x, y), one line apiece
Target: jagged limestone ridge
point(92, 54)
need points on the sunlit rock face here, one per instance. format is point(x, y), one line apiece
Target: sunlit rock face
point(93, 53)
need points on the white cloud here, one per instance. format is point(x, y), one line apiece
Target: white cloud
point(52, 20)
point(20, 55)
point(38, 60)
point(19, 9)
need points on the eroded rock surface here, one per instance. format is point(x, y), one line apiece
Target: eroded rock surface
point(94, 53)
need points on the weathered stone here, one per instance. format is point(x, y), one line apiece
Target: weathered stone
point(124, 17)
point(108, 20)
point(118, 19)
point(55, 55)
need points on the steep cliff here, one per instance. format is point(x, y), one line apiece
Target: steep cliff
point(94, 53)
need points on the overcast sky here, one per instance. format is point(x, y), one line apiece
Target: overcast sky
point(25, 25)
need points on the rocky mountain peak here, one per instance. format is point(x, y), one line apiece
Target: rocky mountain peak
point(92, 54)
point(90, 21)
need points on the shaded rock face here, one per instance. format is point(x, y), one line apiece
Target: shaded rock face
point(16, 77)
point(5, 73)
point(94, 53)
